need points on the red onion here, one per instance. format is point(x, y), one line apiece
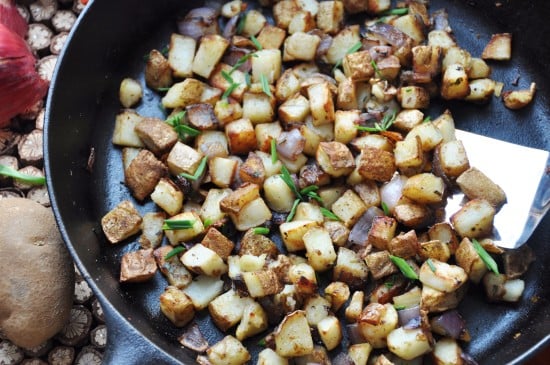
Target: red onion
point(342, 359)
point(467, 359)
point(20, 85)
point(391, 192)
point(199, 22)
point(230, 27)
point(449, 324)
point(409, 317)
point(355, 335)
point(359, 233)
point(10, 17)
point(388, 34)
point(290, 144)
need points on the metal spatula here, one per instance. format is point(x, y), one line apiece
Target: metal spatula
point(524, 175)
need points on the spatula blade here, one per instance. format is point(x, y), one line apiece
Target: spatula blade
point(524, 175)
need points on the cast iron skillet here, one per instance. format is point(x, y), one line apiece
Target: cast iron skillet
point(109, 43)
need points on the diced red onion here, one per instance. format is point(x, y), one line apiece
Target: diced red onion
point(360, 230)
point(409, 317)
point(290, 144)
point(449, 324)
point(354, 333)
point(199, 22)
point(231, 27)
point(391, 192)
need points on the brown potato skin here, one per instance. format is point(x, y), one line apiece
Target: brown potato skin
point(39, 293)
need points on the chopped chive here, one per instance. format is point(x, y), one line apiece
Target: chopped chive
point(146, 57)
point(404, 267)
point(207, 222)
point(399, 307)
point(242, 61)
point(330, 215)
point(265, 85)
point(240, 24)
point(356, 47)
point(315, 196)
point(165, 50)
point(262, 342)
point(229, 90)
point(293, 210)
point(247, 79)
point(308, 189)
point(198, 172)
point(396, 11)
point(189, 130)
point(430, 264)
point(176, 119)
point(163, 89)
point(385, 208)
point(383, 126)
point(227, 76)
point(427, 119)
point(390, 283)
point(261, 230)
point(285, 175)
point(487, 259)
point(274, 156)
point(375, 67)
point(176, 251)
point(34, 180)
point(171, 224)
point(257, 44)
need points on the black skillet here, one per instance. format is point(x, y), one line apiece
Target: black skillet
point(109, 43)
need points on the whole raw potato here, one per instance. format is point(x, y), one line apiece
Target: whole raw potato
point(36, 271)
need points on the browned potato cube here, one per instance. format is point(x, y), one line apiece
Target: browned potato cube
point(121, 222)
point(350, 268)
point(357, 66)
point(435, 249)
point(143, 174)
point(235, 201)
point(467, 258)
point(177, 306)
point(342, 42)
point(376, 164)
point(476, 185)
point(158, 136)
point(349, 207)
point(257, 245)
point(158, 73)
point(271, 37)
point(330, 16)
point(227, 110)
point(137, 266)
point(252, 170)
point(302, 21)
point(283, 12)
point(217, 80)
point(335, 158)
point(427, 59)
point(453, 158)
point(261, 283)
point(454, 84)
point(425, 188)
point(388, 67)
point(201, 116)
point(241, 136)
point(409, 155)
point(413, 97)
point(218, 243)
point(211, 49)
point(181, 94)
point(404, 245)
point(407, 119)
point(499, 47)
point(518, 99)
point(368, 192)
point(412, 215)
point(380, 265)
point(183, 158)
point(176, 274)
point(301, 46)
point(338, 294)
point(347, 95)
point(321, 103)
point(294, 110)
point(181, 55)
point(412, 26)
point(151, 227)
point(382, 231)
point(474, 219)
point(444, 232)
point(481, 90)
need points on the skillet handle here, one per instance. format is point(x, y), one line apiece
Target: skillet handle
point(126, 345)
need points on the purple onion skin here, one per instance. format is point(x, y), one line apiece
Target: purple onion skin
point(449, 324)
point(409, 317)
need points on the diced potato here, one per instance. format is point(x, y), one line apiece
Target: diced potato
point(265, 132)
point(227, 309)
point(412, 215)
point(283, 12)
point(374, 141)
point(338, 232)
point(337, 293)
point(212, 144)
point(241, 136)
point(434, 300)
point(499, 288)
point(218, 81)
point(252, 170)
point(330, 331)
point(347, 95)
point(446, 278)
point(474, 219)
point(413, 97)
point(137, 266)
point(445, 124)
point(210, 51)
point(181, 54)
point(427, 59)
point(452, 158)
point(228, 110)
point(408, 343)
point(455, 84)
point(229, 351)
point(168, 196)
point(330, 16)
point(182, 235)
point(441, 38)
point(303, 277)
point(319, 249)
point(254, 22)
point(409, 154)
point(342, 42)
point(382, 232)
point(380, 264)
point(258, 107)
point(203, 289)
point(481, 90)
point(293, 232)
point(358, 66)
point(368, 191)
point(349, 268)
point(478, 69)
point(376, 322)
point(355, 306)
point(518, 99)
point(158, 136)
point(268, 63)
point(253, 214)
point(270, 357)
point(232, 8)
point(174, 271)
point(202, 260)
point(412, 26)
point(377, 164)
point(408, 119)
point(311, 6)
point(345, 125)
point(287, 85)
point(408, 299)
point(294, 110)
point(151, 227)
point(499, 47)
point(181, 94)
point(271, 37)
point(447, 352)
point(359, 353)
point(218, 243)
point(254, 321)
point(177, 306)
point(302, 21)
point(321, 104)
point(435, 249)
point(349, 208)
point(121, 222)
point(476, 185)
point(183, 158)
point(430, 135)
point(125, 133)
point(293, 336)
point(335, 158)
point(425, 188)
point(300, 46)
point(128, 155)
point(143, 174)
point(130, 92)
point(158, 73)
point(261, 283)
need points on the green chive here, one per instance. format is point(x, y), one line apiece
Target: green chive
point(34, 180)
point(207, 222)
point(315, 196)
point(399, 307)
point(247, 79)
point(356, 47)
point(427, 119)
point(163, 89)
point(265, 85)
point(385, 208)
point(242, 61)
point(261, 230)
point(404, 267)
point(375, 67)
point(165, 51)
point(185, 129)
point(308, 189)
point(176, 251)
point(229, 90)
point(327, 213)
point(430, 264)
point(274, 156)
point(487, 259)
point(397, 11)
point(176, 119)
point(227, 76)
point(293, 210)
point(262, 342)
point(240, 25)
point(198, 172)
point(285, 175)
point(172, 224)
point(256, 43)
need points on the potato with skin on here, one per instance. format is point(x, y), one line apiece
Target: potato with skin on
point(151, 228)
point(376, 322)
point(130, 92)
point(293, 336)
point(319, 249)
point(271, 37)
point(157, 135)
point(241, 136)
point(181, 94)
point(350, 268)
point(474, 219)
point(427, 59)
point(121, 222)
point(304, 279)
point(380, 264)
point(454, 84)
point(176, 306)
point(261, 283)
point(173, 269)
point(518, 99)
point(434, 300)
point(357, 66)
point(404, 245)
point(252, 170)
point(330, 16)
point(349, 208)
point(265, 132)
point(446, 277)
point(413, 215)
point(435, 249)
point(376, 164)
point(407, 119)
point(137, 266)
point(321, 103)
point(347, 95)
point(425, 188)
point(217, 242)
point(158, 73)
point(143, 174)
point(413, 97)
point(337, 294)
point(228, 351)
point(499, 47)
point(467, 257)
point(335, 158)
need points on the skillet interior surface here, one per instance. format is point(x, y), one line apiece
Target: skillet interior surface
point(109, 43)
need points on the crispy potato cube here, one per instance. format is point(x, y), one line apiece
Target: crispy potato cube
point(349, 208)
point(373, 140)
point(211, 49)
point(330, 331)
point(228, 351)
point(232, 8)
point(368, 191)
point(128, 155)
point(227, 309)
point(382, 232)
point(254, 321)
point(479, 69)
point(376, 322)
point(183, 158)
point(218, 243)
point(309, 211)
point(265, 132)
point(357, 66)
point(317, 308)
point(182, 235)
point(121, 222)
point(500, 288)
point(467, 258)
point(321, 104)
point(335, 158)
point(476, 185)
point(293, 233)
point(499, 47)
point(338, 232)
point(349, 268)
point(258, 107)
point(434, 300)
point(474, 219)
point(202, 260)
point(337, 294)
point(130, 92)
point(236, 200)
point(413, 97)
point(518, 99)
point(143, 174)
point(257, 245)
point(294, 110)
point(252, 170)
point(330, 194)
point(446, 278)
point(270, 357)
point(125, 133)
point(446, 352)
point(409, 343)
point(201, 116)
point(456, 55)
point(481, 90)
point(453, 158)
point(342, 42)
point(347, 95)
point(427, 59)
point(424, 188)
point(181, 54)
point(345, 125)
point(241, 136)
point(212, 144)
point(407, 119)
point(315, 135)
point(412, 215)
point(168, 196)
point(412, 26)
point(444, 232)
point(137, 266)
point(376, 164)
point(181, 94)
point(455, 84)
point(251, 215)
point(441, 38)
point(278, 195)
point(158, 73)
point(355, 306)
point(430, 135)
point(287, 85)
point(283, 12)
point(271, 37)
point(302, 21)
point(293, 336)
point(268, 63)
point(151, 227)
point(222, 171)
point(255, 21)
point(359, 353)
point(319, 249)
point(228, 110)
point(380, 265)
point(330, 16)
point(176, 274)
point(158, 136)
point(435, 249)
point(176, 306)
point(388, 67)
point(261, 283)
point(409, 154)
point(404, 245)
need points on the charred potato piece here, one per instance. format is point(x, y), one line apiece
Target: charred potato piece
point(121, 222)
point(376, 164)
point(218, 243)
point(158, 71)
point(137, 266)
point(176, 306)
point(335, 158)
point(499, 47)
point(158, 136)
point(143, 174)
point(241, 136)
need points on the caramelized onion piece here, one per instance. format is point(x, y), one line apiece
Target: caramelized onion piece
point(199, 22)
